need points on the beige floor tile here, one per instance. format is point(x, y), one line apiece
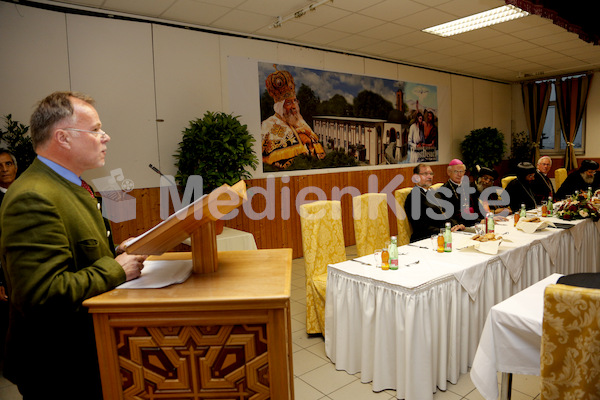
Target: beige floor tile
point(526, 384)
point(303, 391)
point(463, 387)
point(359, 391)
point(318, 349)
point(326, 379)
point(447, 395)
point(305, 340)
point(305, 361)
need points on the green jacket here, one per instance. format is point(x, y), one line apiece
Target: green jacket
point(56, 253)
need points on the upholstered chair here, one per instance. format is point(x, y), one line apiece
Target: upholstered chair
point(506, 180)
point(404, 228)
point(559, 177)
point(570, 351)
point(323, 244)
point(371, 224)
point(437, 185)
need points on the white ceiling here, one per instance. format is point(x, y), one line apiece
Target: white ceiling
point(387, 29)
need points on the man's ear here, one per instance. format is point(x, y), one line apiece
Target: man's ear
point(62, 138)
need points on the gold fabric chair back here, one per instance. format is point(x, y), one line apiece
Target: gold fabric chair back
point(437, 185)
point(506, 180)
point(323, 244)
point(570, 352)
point(404, 228)
point(371, 223)
point(559, 177)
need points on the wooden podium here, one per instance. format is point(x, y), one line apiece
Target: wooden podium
point(219, 335)
point(196, 221)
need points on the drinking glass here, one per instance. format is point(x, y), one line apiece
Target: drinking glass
point(377, 255)
point(434, 242)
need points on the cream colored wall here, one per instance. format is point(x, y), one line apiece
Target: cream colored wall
point(150, 80)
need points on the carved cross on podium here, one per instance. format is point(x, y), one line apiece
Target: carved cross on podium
point(196, 221)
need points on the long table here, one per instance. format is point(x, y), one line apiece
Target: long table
point(511, 339)
point(417, 328)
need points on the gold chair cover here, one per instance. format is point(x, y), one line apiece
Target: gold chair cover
point(371, 224)
point(404, 228)
point(506, 180)
point(559, 177)
point(323, 244)
point(570, 352)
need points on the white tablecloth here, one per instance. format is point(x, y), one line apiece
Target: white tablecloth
point(511, 338)
point(416, 328)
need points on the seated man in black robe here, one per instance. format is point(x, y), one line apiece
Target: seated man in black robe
point(520, 190)
point(459, 193)
point(486, 197)
point(579, 180)
point(542, 185)
point(426, 213)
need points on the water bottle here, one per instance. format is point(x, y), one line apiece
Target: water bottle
point(489, 223)
point(447, 238)
point(523, 211)
point(393, 250)
point(550, 206)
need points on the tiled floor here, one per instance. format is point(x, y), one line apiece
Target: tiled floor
point(317, 378)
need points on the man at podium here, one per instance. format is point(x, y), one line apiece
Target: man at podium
point(57, 252)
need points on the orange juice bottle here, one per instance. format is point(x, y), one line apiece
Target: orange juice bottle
point(440, 241)
point(385, 258)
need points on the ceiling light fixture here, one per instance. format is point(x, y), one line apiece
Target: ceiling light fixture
point(477, 21)
point(298, 14)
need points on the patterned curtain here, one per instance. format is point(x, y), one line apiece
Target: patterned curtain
point(536, 96)
point(571, 99)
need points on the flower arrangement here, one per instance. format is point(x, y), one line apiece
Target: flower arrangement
point(578, 207)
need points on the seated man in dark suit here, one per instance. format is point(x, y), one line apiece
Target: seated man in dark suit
point(542, 185)
point(426, 213)
point(520, 190)
point(579, 180)
point(458, 192)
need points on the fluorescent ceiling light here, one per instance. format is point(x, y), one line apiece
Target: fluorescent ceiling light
point(477, 21)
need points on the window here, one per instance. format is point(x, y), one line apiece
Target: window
point(553, 141)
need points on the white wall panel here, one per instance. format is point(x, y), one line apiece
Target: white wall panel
point(188, 83)
point(111, 60)
point(33, 48)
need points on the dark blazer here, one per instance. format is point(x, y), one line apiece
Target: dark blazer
point(469, 218)
point(542, 187)
point(423, 224)
point(56, 254)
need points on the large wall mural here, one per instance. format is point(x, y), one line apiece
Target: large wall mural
point(321, 119)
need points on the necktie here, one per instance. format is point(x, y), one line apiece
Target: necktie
point(87, 187)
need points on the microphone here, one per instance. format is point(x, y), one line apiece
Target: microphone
point(161, 174)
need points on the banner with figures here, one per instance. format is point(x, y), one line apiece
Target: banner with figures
point(314, 118)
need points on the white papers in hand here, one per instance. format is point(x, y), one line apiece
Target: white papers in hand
point(160, 273)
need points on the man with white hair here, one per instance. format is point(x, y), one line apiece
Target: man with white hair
point(285, 134)
point(542, 185)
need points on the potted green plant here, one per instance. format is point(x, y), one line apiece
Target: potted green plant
point(16, 139)
point(484, 147)
point(521, 149)
point(218, 148)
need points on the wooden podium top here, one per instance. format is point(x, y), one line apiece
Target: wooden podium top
point(245, 279)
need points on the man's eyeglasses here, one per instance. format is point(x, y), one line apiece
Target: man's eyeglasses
point(426, 173)
point(99, 132)
point(458, 171)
